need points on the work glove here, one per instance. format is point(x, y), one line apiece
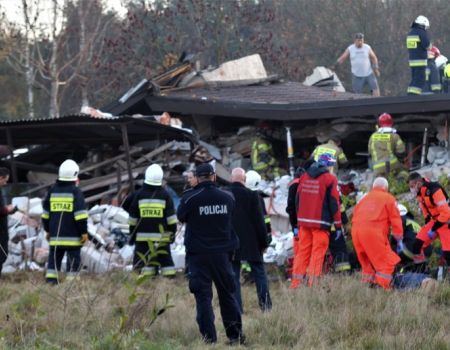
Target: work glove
point(339, 233)
point(431, 234)
point(47, 236)
point(400, 246)
point(84, 238)
point(296, 234)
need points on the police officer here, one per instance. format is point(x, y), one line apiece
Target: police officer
point(65, 220)
point(153, 222)
point(210, 242)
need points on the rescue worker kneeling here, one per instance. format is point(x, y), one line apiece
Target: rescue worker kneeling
point(372, 218)
point(433, 201)
point(318, 210)
point(153, 222)
point(65, 220)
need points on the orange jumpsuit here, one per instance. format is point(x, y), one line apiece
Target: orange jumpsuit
point(318, 210)
point(436, 211)
point(372, 218)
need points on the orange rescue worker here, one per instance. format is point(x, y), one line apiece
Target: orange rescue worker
point(318, 210)
point(372, 218)
point(434, 204)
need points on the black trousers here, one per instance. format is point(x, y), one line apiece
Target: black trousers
point(161, 261)
point(204, 269)
point(418, 77)
point(55, 258)
point(339, 251)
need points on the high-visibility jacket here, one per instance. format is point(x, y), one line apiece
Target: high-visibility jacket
point(318, 199)
point(333, 149)
point(384, 145)
point(65, 215)
point(379, 209)
point(152, 215)
point(418, 44)
point(262, 155)
point(434, 203)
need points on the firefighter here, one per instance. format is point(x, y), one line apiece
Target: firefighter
point(153, 222)
point(418, 44)
point(318, 210)
point(385, 146)
point(446, 78)
point(65, 221)
point(433, 78)
point(433, 201)
point(5, 210)
point(210, 242)
point(333, 147)
point(372, 217)
point(262, 155)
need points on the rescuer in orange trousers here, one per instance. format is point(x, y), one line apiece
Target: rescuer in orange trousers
point(433, 201)
point(372, 218)
point(318, 209)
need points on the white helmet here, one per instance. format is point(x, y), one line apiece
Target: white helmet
point(154, 175)
point(252, 180)
point(423, 21)
point(68, 171)
point(402, 209)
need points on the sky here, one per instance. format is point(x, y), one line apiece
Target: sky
point(13, 8)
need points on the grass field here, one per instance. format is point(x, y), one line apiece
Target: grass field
point(114, 312)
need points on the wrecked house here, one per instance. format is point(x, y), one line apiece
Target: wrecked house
point(225, 104)
point(113, 153)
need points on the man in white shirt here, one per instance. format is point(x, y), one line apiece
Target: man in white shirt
point(364, 65)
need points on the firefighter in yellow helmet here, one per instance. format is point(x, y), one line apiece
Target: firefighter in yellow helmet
point(385, 146)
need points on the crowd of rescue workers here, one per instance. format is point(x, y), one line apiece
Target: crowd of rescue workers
point(226, 227)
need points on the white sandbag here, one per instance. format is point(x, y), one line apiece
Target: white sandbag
point(179, 257)
point(126, 253)
point(22, 203)
point(35, 207)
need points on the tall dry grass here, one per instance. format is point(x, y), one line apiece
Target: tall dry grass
point(340, 314)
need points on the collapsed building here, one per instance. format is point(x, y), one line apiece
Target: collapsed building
point(185, 116)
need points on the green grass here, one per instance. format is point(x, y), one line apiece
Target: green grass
point(340, 314)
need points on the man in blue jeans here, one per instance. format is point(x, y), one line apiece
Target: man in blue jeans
point(248, 222)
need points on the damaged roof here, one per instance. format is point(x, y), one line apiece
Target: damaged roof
point(279, 101)
point(86, 130)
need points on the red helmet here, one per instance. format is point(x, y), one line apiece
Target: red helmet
point(385, 120)
point(435, 51)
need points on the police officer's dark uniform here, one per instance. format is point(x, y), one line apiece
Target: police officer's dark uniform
point(210, 242)
point(153, 219)
point(65, 219)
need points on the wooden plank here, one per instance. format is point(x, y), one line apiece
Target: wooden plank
point(148, 157)
point(85, 170)
point(103, 181)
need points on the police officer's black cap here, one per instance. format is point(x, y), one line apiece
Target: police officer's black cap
point(204, 169)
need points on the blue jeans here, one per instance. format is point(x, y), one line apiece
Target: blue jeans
point(262, 286)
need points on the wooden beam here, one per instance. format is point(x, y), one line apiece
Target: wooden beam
point(11, 149)
point(126, 145)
